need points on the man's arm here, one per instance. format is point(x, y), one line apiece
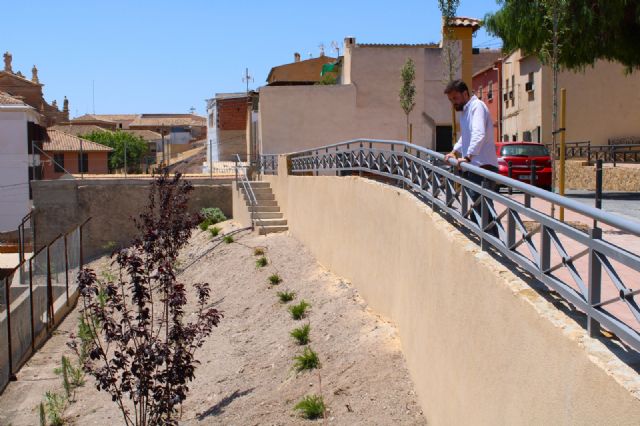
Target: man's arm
point(455, 152)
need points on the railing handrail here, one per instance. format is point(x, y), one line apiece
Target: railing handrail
point(471, 205)
point(246, 184)
point(596, 214)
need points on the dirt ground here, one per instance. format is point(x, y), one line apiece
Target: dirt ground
point(246, 376)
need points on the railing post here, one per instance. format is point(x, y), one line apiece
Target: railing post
point(595, 282)
point(510, 173)
point(33, 327)
point(511, 230)
point(533, 172)
point(484, 214)
point(545, 250)
point(598, 197)
point(49, 291)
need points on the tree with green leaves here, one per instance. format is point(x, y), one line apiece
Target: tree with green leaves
point(135, 148)
point(408, 90)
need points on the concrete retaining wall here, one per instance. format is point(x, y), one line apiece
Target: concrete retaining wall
point(111, 203)
point(482, 346)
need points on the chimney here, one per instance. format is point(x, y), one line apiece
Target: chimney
point(7, 62)
point(349, 42)
point(296, 57)
point(34, 74)
point(54, 104)
point(65, 106)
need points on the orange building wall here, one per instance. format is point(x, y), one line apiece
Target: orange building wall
point(98, 164)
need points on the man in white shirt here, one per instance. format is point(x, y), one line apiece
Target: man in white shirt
point(475, 145)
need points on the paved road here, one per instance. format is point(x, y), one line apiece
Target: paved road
point(625, 204)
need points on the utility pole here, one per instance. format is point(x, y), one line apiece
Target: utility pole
point(125, 158)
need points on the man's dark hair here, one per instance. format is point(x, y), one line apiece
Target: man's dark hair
point(457, 86)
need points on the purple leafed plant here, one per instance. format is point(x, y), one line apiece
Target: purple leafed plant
point(140, 347)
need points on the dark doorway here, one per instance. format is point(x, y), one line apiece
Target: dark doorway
point(443, 138)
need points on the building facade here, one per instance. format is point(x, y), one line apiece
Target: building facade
point(227, 115)
point(602, 101)
point(20, 137)
point(69, 154)
point(487, 87)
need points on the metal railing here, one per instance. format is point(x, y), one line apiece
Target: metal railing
point(243, 180)
point(34, 297)
point(268, 164)
point(566, 257)
point(611, 153)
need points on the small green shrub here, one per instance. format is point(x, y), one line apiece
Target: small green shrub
point(261, 262)
point(298, 311)
point(308, 360)
point(286, 296)
point(275, 279)
point(228, 239)
point(72, 376)
point(205, 224)
point(54, 405)
point(311, 407)
point(301, 334)
point(43, 417)
point(215, 231)
point(258, 251)
point(213, 214)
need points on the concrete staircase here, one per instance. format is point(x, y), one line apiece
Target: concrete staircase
point(267, 216)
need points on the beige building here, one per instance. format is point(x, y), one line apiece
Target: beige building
point(602, 102)
point(365, 103)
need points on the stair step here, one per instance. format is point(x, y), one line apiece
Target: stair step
point(271, 229)
point(265, 209)
point(271, 222)
point(265, 215)
point(259, 184)
point(260, 196)
point(265, 203)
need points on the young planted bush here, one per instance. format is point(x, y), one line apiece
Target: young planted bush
point(261, 262)
point(311, 407)
point(308, 360)
point(204, 225)
point(275, 279)
point(228, 239)
point(213, 214)
point(258, 251)
point(140, 347)
point(301, 334)
point(54, 405)
point(286, 296)
point(298, 311)
point(214, 231)
point(72, 376)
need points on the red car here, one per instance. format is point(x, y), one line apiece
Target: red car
point(521, 155)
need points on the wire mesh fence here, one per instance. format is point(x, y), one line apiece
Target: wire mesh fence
point(34, 297)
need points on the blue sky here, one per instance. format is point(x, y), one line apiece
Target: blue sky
point(168, 56)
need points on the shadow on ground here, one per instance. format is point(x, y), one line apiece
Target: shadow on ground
point(219, 407)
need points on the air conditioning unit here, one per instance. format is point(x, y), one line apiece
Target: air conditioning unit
point(529, 86)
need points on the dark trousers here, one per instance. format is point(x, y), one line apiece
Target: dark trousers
point(477, 179)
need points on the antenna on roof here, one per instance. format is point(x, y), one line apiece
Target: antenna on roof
point(93, 94)
point(321, 46)
point(192, 110)
point(247, 78)
point(335, 47)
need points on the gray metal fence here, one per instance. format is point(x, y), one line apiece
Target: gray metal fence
point(590, 266)
point(269, 164)
point(34, 297)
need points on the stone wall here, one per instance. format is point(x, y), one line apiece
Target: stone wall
point(621, 178)
point(59, 205)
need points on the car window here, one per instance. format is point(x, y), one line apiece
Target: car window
point(524, 150)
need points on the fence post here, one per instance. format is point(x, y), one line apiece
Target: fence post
point(66, 269)
point(598, 196)
point(49, 291)
point(595, 281)
point(33, 331)
point(7, 295)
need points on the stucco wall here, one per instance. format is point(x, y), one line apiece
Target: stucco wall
point(61, 204)
point(294, 118)
point(482, 347)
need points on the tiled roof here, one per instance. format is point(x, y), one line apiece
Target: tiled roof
point(61, 141)
point(460, 21)
point(167, 120)
point(7, 99)
point(147, 135)
point(116, 117)
point(89, 117)
point(78, 129)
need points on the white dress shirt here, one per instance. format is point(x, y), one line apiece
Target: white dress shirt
point(476, 134)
